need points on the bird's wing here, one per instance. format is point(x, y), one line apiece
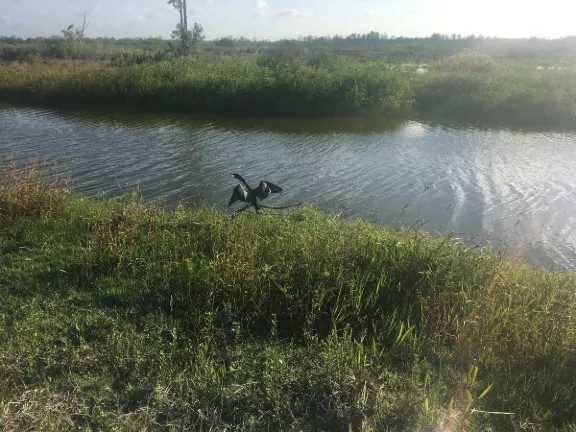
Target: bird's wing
point(239, 194)
point(262, 191)
point(265, 188)
point(274, 188)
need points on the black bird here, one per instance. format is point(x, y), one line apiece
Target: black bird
point(251, 196)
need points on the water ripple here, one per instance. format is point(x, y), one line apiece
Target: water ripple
point(517, 186)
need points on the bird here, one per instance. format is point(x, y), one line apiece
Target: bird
point(251, 196)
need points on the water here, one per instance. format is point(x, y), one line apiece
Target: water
point(515, 189)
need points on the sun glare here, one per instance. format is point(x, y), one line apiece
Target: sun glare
point(507, 18)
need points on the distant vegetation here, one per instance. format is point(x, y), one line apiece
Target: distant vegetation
point(463, 77)
point(227, 85)
point(370, 46)
point(465, 86)
point(123, 316)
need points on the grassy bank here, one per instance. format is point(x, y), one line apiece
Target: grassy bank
point(470, 86)
point(467, 86)
point(227, 85)
point(121, 315)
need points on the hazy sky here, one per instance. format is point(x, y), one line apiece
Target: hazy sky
point(287, 18)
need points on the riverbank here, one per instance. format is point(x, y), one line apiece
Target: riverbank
point(122, 315)
point(463, 87)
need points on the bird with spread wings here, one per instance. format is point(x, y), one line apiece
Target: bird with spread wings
point(251, 196)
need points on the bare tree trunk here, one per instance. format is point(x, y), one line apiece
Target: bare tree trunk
point(182, 25)
point(181, 31)
point(185, 10)
point(185, 41)
point(83, 27)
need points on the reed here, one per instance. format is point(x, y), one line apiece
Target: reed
point(466, 86)
point(225, 85)
point(472, 86)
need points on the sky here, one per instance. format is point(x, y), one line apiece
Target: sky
point(275, 19)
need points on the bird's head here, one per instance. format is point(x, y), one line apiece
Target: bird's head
point(240, 178)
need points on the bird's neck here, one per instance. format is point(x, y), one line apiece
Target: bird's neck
point(239, 177)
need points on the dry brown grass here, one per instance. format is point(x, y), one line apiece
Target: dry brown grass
point(23, 192)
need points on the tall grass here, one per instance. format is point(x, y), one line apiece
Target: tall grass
point(465, 86)
point(121, 315)
point(227, 85)
point(475, 86)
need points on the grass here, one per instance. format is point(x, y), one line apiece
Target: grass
point(466, 86)
point(359, 46)
point(227, 85)
point(471, 86)
point(117, 315)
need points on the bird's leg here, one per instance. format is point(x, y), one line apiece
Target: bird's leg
point(240, 210)
point(243, 209)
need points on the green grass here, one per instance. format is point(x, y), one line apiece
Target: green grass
point(466, 86)
point(227, 85)
point(123, 316)
point(471, 86)
point(360, 46)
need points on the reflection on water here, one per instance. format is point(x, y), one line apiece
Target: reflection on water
point(514, 188)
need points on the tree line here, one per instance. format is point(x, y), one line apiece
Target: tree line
point(187, 40)
point(230, 40)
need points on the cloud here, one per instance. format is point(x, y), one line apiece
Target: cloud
point(369, 13)
point(294, 13)
point(415, 10)
point(260, 8)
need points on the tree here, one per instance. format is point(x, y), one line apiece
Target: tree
point(82, 29)
point(189, 39)
point(179, 5)
point(181, 31)
point(197, 36)
point(72, 43)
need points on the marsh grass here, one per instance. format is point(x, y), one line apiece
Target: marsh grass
point(467, 86)
point(120, 315)
point(473, 86)
point(26, 193)
point(221, 85)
